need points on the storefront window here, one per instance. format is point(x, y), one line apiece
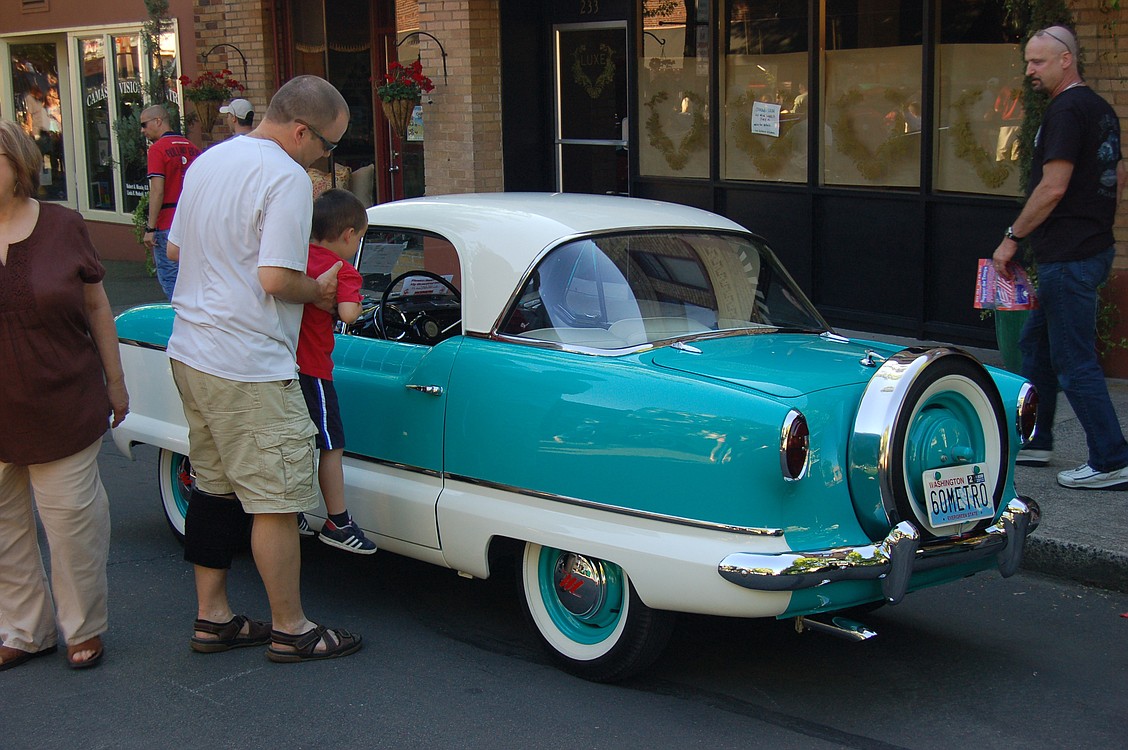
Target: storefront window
point(127, 124)
point(673, 83)
point(765, 91)
point(96, 122)
point(872, 93)
point(39, 110)
point(979, 104)
point(86, 122)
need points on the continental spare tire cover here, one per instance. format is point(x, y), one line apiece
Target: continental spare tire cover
point(924, 413)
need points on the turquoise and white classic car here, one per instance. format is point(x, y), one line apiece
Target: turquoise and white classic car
point(636, 401)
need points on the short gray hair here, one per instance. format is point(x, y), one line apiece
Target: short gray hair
point(308, 98)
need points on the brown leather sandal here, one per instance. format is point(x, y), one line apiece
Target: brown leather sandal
point(228, 634)
point(13, 657)
point(90, 644)
point(337, 643)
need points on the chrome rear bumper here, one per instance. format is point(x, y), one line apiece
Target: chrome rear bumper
point(893, 560)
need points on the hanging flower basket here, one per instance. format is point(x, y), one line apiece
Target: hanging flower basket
point(207, 91)
point(398, 112)
point(208, 111)
point(402, 89)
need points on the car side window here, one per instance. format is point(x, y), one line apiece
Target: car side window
point(411, 287)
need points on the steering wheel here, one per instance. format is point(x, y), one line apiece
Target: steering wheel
point(422, 326)
point(370, 323)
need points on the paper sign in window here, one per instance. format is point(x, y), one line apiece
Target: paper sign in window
point(765, 119)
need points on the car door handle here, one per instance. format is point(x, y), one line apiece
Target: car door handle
point(430, 390)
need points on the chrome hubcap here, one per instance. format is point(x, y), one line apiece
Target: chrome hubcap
point(580, 584)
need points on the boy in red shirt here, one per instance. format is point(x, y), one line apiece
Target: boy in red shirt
point(339, 223)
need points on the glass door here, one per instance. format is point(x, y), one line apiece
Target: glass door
point(591, 107)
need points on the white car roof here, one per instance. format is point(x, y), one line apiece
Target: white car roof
point(499, 236)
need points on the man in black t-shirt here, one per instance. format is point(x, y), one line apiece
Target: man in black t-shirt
point(1077, 177)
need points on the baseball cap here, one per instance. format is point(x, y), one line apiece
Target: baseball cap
point(238, 107)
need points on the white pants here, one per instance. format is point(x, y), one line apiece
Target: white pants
point(75, 513)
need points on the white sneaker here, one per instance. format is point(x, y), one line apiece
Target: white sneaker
point(1085, 477)
point(1033, 457)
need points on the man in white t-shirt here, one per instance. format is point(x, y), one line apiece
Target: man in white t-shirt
point(241, 234)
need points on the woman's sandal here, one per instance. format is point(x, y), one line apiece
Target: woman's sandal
point(337, 643)
point(13, 657)
point(228, 635)
point(91, 644)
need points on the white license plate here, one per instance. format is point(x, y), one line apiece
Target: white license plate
point(957, 494)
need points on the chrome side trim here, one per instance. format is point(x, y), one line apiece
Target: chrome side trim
point(673, 341)
point(710, 525)
point(142, 344)
point(393, 464)
point(893, 560)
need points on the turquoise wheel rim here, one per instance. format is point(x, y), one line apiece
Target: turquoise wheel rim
point(945, 432)
point(181, 481)
point(954, 424)
point(564, 577)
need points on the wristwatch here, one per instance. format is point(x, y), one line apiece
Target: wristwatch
point(153, 229)
point(1010, 235)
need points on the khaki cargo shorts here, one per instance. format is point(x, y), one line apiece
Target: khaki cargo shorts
point(253, 439)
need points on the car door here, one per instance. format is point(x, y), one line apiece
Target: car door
point(393, 393)
point(393, 403)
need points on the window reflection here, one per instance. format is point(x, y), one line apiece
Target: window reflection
point(766, 99)
point(674, 89)
point(871, 102)
point(979, 99)
point(96, 122)
point(127, 124)
point(627, 290)
point(39, 110)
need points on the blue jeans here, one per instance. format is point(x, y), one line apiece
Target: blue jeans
point(1059, 348)
point(166, 269)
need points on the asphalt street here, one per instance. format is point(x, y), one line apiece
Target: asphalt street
point(1029, 661)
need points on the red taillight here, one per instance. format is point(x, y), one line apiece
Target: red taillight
point(794, 446)
point(1027, 416)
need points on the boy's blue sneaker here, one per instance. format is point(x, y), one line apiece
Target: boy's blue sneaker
point(303, 526)
point(348, 537)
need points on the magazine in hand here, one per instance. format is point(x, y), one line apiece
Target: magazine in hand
point(993, 292)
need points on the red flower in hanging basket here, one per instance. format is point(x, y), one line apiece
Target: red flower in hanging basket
point(210, 86)
point(404, 83)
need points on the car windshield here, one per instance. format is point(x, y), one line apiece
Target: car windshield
point(628, 290)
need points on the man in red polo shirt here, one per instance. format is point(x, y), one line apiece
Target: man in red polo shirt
point(169, 157)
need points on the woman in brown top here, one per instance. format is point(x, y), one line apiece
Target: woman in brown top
point(60, 379)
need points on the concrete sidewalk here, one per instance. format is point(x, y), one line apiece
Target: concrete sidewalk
point(1084, 533)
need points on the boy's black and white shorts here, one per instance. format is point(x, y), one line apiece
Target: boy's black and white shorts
point(321, 400)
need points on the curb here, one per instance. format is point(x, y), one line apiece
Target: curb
point(1077, 562)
